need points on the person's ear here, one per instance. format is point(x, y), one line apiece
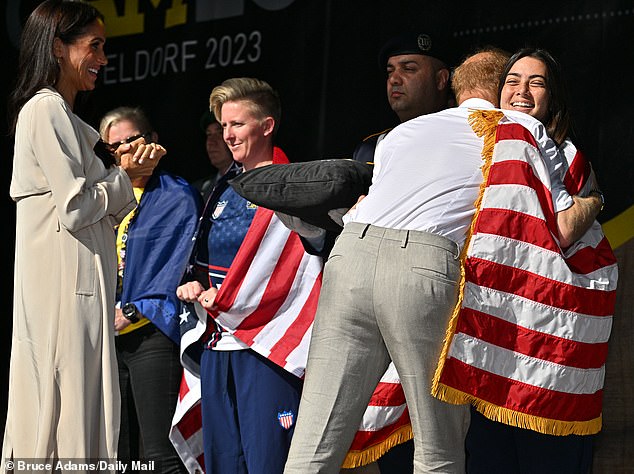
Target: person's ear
point(442, 79)
point(268, 124)
point(58, 48)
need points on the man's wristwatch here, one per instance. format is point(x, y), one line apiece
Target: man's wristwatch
point(130, 312)
point(597, 192)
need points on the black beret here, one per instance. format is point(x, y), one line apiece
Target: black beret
point(416, 43)
point(206, 119)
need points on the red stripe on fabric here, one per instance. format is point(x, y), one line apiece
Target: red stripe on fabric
point(246, 253)
point(514, 131)
point(587, 260)
point(539, 288)
point(532, 343)
point(517, 226)
point(366, 439)
point(201, 461)
point(521, 173)
point(191, 422)
point(215, 267)
point(279, 157)
point(276, 291)
point(387, 394)
point(184, 388)
point(297, 330)
point(577, 174)
point(519, 396)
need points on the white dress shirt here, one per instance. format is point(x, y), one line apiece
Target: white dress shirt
point(427, 173)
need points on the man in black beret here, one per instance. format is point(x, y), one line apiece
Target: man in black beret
point(417, 67)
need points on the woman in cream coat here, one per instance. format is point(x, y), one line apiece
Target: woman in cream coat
point(63, 389)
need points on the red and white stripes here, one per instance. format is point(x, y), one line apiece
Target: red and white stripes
point(527, 345)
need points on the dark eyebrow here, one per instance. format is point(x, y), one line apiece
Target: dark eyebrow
point(402, 62)
point(407, 61)
point(515, 74)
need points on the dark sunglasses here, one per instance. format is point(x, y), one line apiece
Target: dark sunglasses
point(113, 146)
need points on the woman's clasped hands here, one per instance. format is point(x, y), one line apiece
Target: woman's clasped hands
point(139, 158)
point(193, 291)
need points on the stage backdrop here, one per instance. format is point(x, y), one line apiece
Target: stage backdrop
point(321, 56)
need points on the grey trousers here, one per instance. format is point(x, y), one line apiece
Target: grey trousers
point(387, 294)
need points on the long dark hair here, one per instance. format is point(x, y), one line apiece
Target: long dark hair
point(558, 122)
point(37, 66)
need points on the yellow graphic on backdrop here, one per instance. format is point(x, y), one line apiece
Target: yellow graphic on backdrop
point(620, 229)
point(131, 21)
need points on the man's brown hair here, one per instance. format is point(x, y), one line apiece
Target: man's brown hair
point(480, 73)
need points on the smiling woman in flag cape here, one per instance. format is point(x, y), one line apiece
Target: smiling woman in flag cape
point(260, 289)
point(530, 334)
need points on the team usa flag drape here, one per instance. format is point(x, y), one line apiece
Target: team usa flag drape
point(268, 300)
point(527, 343)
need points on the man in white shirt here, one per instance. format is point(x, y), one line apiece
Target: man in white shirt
point(391, 282)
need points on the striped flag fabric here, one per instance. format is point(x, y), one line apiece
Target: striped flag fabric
point(268, 300)
point(527, 343)
point(385, 422)
point(269, 297)
point(186, 433)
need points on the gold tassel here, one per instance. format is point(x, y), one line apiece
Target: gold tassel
point(521, 420)
point(484, 123)
point(367, 456)
point(537, 423)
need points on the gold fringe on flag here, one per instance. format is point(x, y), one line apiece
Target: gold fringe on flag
point(484, 123)
point(523, 420)
point(367, 456)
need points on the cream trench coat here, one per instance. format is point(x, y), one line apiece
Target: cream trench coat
point(63, 383)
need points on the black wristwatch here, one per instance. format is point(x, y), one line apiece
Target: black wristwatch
point(130, 312)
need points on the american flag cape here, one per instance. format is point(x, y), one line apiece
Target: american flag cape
point(527, 342)
point(268, 300)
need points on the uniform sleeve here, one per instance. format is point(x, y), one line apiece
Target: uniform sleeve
point(364, 151)
point(65, 160)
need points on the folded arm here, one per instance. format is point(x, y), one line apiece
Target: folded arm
point(573, 222)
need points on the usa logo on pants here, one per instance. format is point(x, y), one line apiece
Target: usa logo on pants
point(286, 419)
